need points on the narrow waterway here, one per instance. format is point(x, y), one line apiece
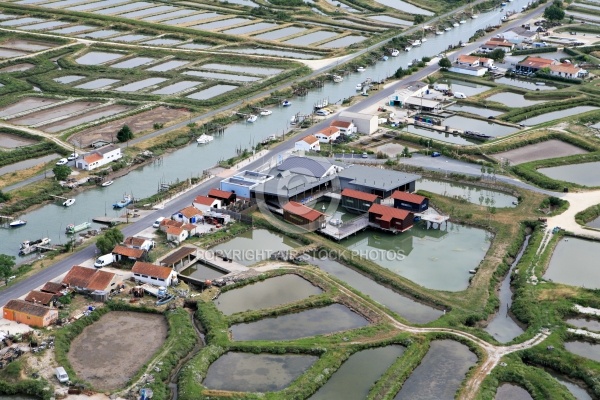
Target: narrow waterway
point(503, 327)
point(50, 220)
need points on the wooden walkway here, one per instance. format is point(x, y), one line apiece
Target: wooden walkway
point(210, 258)
point(346, 229)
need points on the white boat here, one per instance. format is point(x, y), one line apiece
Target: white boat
point(337, 78)
point(474, 16)
point(416, 43)
point(204, 138)
point(29, 246)
point(423, 40)
point(321, 104)
point(252, 118)
point(439, 32)
point(107, 183)
point(447, 28)
point(462, 21)
point(293, 120)
point(265, 113)
point(395, 53)
point(68, 202)
point(359, 86)
point(455, 24)
point(408, 48)
point(360, 69)
point(17, 223)
point(384, 58)
point(286, 103)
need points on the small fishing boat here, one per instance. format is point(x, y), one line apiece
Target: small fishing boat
point(395, 53)
point(477, 135)
point(29, 246)
point(107, 183)
point(415, 43)
point(384, 58)
point(423, 40)
point(408, 48)
point(72, 228)
point(17, 223)
point(462, 21)
point(337, 78)
point(265, 113)
point(360, 69)
point(286, 103)
point(359, 86)
point(473, 271)
point(455, 24)
point(252, 118)
point(204, 138)
point(68, 202)
point(127, 199)
point(439, 32)
point(447, 28)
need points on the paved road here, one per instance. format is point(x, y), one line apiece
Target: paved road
point(22, 288)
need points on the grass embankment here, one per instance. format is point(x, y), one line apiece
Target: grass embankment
point(587, 215)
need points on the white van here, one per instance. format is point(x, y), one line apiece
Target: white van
point(156, 223)
point(104, 260)
point(61, 375)
point(459, 95)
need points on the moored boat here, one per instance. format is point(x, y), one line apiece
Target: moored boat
point(265, 113)
point(252, 118)
point(447, 28)
point(29, 246)
point(72, 228)
point(462, 21)
point(286, 103)
point(337, 78)
point(408, 48)
point(395, 53)
point(477, 135)
point(127, 199)
point(360, 69)
point(204, 138)
point(107, 183)
point(384, 58)
point(455, 24)
point(359, 86)
point(68, 202)
point(439, 32)
point(17, 223)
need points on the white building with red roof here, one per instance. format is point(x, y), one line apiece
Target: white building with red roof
point(328, 135)
point(345, 127)
point(99, 157)
point(308, 143)
point(205, 203)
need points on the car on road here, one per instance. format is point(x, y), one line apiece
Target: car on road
point(365, 155)
point(436, 154)
point(72, 156)
point(322, 113)
point(62, 161)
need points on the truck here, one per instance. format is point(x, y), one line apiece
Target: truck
point(104, 260)
point(61, 375)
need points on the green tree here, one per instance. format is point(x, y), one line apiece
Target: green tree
point(124, 134)
point(4, 197)
point(554, 13)
point(107, 242)
point(419, 19)
point(497, 54)
point(445, 63)
point(61, 172)
point(406, 152)
point(6, 266)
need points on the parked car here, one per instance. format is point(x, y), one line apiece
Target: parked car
point(156, 223)
point(459, 95)
point(365, 155)
point(61, 375)
point(436, 154)
point(104, 260)
point(62, 161)
point(72, 156)
point(322, 112)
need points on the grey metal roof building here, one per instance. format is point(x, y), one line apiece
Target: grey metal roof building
point(382, 182)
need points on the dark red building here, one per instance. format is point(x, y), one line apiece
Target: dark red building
point(301, 215)
point(410, 201)
point(390, 218)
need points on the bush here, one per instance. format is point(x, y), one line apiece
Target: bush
point(535, 51)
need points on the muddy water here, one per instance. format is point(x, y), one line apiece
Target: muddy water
point(558, 114)
point(139, 85)
point(576, 389)
point(86, 117)
point(10, 142)
point(342, 42)
point(582, 174)
point(54, 112)
point(574, 262)
point(201, 271)
point(440, 373)
point(309, 38)
point(271, 292)
point(406, 307)
point(584, 323)
point(584, 349)
point(28, 103)
point(227, 77)
point(245, 372)
point(353, 380)
point(17, 67)
point(503, 327)
point(9, 53)
point(471, 193)
point(27, 45)
point(507, 391)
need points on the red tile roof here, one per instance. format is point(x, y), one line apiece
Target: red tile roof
point(190, 212)
point(537, 62)
point(310, 139)
point(101, 281)
point(79, 276)
point(135, 241)
point(388, 213)
point(174, 230)
point(153, 270)
point(170, 222)
point(128, 251)
point(463, 58)
point(341, 124)
point(92, 158)
point(565, 68)
point(189, 227)
point(220, 194)
point(332, 130)
point(357, 194)
point(53, 287)
point(204, 200)
point(37, 297)
point(410, 197)
point(299, 209)
point(27, 308)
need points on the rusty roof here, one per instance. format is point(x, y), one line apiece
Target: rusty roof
point(204, 200)
point(101, 281)
point(53, 287)
point(27, 308)
point(388, 213)
point(135, 241)
point(220, 194)
point(174, 230)
point(310, 139)
point(37, 297)
point(128, 251)
point(93, 158)
point(340, 124)
point(305, 212)
point(170, 222)
point(330, 131)
point(178, 255)
point(410, 197)
point(357, 194)
point(79, 276)
point(150, 269)
point(190, 212)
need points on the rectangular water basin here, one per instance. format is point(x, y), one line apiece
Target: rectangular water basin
point(342, 42)
point(242, 68)
point(584, 174)
point(25, 104)
point(148, 11)
point(101, 34)
point(313, 37)
point(513, 99)
point(133, 62)
point(68, 78)
point(404, 7)
point(249, 28)
point(195, 46)
point(130, 38)
point(99, 113)
point(280, 33)
point(5, 16)
point(164, 16)
point(169, 65)
point(97, 83)
point(441, 136)
point(25, 2)
point(277, 53)
point(17, 67)
point(177, 87)
point(390, 20)
point(219, 76)
point(123, 8)
point(73, 29)
point(211, 92)
point(10, 53)
point(468, 88)
point(52, 113)
point(220, 24)
point(569, 112)
point(247, 3)
point(44, 26)
point(523, 84)
point(483, 126)
point(163, 42)
point(21, 21)
point(60, 4)
point(191, 18)
point(574, 262)
point(135, 86)
point(484, 112)
point(96, 5)
point(27, 45)
point(98, 57)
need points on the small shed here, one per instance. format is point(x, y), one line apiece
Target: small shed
point(176, 234)
point(188, 215)
point(301, 215)
point(205, 203)
point(43, 298)
point(365, 124)
point(55, 288)
point(358, 202)
point(29, 314)
point(390, 219)
point(179, 258)
point(153, 274)
point(127, 253)
point(226, 197)
point(410, 201)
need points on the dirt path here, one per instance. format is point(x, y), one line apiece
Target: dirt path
point(577, 202)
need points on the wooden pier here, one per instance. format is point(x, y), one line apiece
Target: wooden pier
point(345, 229)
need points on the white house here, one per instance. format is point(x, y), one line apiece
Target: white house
point(345, 127)
point(308, 143)
point(205, 203)
point(567, 70)
point(190, 228)
point(328, 135)
point(496, 43)
point(366, 124)
point(188, 215)
point(167, 223)
point(176, 234)
point(153, 274)
point(99, 157)
point(137, 242)
point(519, 34)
